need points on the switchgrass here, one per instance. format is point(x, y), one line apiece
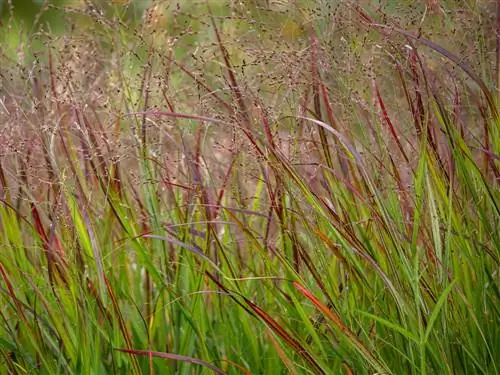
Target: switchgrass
point(256, 189)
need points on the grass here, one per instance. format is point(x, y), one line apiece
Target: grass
point(251, 188)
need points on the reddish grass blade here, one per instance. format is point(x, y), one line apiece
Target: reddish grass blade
point(281, 332)
point(422, 116)
point(281, 353)
point(319, 88)
point(123, 326)
point(265, 122)
point(175, 357)
point(317, 103)
point(235, 89)
point(335, 250)
point(239, 367)
point(94, 293)
point(388, 121)
point(310, 264)
point(95, 144)
point(419, 113)
point(347, 369)
point(54, 251)
point(12, 293)
point(144, 90)
point(335, 318)
point(53, 81)
point(205, 196)
point(225, 184)
point(488, 154)
point(323, 308)
point(3, 183)
point(231, 294)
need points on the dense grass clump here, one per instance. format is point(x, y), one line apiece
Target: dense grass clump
point(256, 187)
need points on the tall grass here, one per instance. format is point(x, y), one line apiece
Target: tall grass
point(252, 188)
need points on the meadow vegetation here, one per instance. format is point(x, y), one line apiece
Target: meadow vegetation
point(250, 187)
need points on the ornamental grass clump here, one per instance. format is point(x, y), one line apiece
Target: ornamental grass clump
point(252, 187)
